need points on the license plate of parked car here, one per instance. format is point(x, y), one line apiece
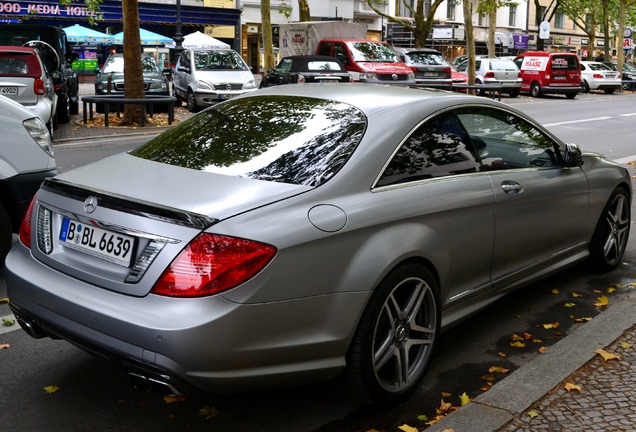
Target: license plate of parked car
point(101, 243)
point(8, 90)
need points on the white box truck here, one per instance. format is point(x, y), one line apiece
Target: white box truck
point(302, 38)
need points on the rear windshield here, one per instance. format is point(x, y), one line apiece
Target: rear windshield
point(565, 63)
point(17, 64)
point(286, 139)
point(503, 65)
point(431, 59)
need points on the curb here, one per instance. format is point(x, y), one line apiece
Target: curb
point(513, 395)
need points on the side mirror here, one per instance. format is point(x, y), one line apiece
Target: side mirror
point(572, 157)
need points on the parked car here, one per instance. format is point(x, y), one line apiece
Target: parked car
point(25, 79)
point(203, 77)
point(496, 71)
point(549, 73)
point(306, 233)
point(628, 77)
point(598, 76)
point(463, 58)
point(110, 78)
point(428, 65)
point(307, 69)
point(26, 158)
point(368, 61)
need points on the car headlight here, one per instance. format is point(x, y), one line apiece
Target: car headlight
point(368, 76)
point(250, 84)
point(40, 134)
point(203, 85)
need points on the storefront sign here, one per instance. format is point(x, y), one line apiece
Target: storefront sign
point(520, 41)
point(49, 10)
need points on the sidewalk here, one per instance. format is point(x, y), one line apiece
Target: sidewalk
point(534, 397)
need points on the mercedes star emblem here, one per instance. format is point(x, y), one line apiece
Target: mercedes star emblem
point(90, 204)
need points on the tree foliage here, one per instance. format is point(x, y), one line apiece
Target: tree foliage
point(420, 25)
point(489, 8)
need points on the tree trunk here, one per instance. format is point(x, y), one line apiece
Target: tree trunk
point(134, 78)
point(266, 20)
point(303, 10)
point(470, 40)
point(492, 26)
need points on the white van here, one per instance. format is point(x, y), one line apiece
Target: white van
point(203, 77)
point(26, 159)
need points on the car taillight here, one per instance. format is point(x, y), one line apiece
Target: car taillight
point(447, 70)
point(598, 76)
point(25, 227)
point(301, 79)
point(38, 87)
point(211, 264)
point(414, 69)
point(489, 75)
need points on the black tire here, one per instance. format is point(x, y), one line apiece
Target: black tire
point(586, 87)
point(612, 231)
point(609, 91)
point(74, 106)
point(62, 111)
point(513, 94)
point(570, 95)
point(535, 90)
point(402, 318)
point(192, 102)
point(6, 234)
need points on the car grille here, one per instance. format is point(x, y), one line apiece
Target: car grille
point(389, 77)
point(120, 86)
point(228, 86)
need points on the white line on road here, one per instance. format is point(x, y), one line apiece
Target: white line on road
point(625, 160)
point(576, 121)
point(627, 115)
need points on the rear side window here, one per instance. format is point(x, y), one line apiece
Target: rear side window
point(564, 63)
point(431, 59)
point(286, 139)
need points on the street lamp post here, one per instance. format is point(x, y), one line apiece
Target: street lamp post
point(178, 36)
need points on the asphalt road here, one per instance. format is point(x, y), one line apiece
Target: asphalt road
point(93, 395)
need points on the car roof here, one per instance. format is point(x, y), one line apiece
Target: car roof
point(11, 48)
point(312, 57)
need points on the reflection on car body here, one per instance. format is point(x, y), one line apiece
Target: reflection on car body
point(306, 233)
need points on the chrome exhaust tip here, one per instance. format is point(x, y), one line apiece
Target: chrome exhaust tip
point(153, 385)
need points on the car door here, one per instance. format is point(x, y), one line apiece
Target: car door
point(436, 177)
point(540, 206)
point(181, 74)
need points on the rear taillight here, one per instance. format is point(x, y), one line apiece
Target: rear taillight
point(447, 70)
point(211, 264)
point(25, 227)
point(489, 75)
point(598, 76)
point(414, 69)
point(38, 87)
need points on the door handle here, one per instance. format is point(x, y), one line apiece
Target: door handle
point(511, 187)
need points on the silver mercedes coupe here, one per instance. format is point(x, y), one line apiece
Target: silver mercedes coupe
point(307, 233)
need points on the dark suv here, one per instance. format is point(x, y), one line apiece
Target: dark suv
point(428, 65)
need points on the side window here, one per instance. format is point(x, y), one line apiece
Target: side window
point(340, 52)
point(437, 148)
point(505, 141)
point(325, 49)
point(284, 66)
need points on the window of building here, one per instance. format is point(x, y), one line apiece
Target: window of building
point(559, 20)
point(450, 10)
point(512, 16)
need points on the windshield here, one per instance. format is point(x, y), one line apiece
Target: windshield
point(366, 51)
point(218, 60)
point(286, 139)
point(115, 64)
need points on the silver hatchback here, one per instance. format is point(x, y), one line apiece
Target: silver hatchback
point(496, 70)
point(309, 232)
point(25, 79)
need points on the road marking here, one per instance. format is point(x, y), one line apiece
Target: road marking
point(8, 328)
point(627, 115)
point(576, 121)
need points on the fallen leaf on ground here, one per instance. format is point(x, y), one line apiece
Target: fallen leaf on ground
point(407, 428)
point(5, 346)
point(518, 344)
point(4, 300)
point(543, 349)
point(498, 369)
point(576, 295)
point(502, 354)
point(569, 387)
point(555, 291)
point(209, 412)
point(175, 398)
point(51, 389)
point(7, 322)
point(602, 301)
point(607, 355)
point(551, 325)
point(533, 414)
point(464, 399)
point(625, 345)
point(570, 305)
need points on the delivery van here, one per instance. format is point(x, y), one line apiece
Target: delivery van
point(549, 73)
point(368, 61)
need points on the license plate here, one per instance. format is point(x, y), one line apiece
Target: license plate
point(226, 96)
point(559, 77)
point(9, 91)
point(508, 84)
point(98, 242)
